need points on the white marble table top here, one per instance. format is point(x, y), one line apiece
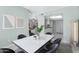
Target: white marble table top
point(31, 44)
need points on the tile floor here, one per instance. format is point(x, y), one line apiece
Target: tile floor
point(64, 48)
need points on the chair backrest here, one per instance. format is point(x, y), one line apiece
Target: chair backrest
point(57, 41)
point(6, 50)
point(21, 36)
point(30, 33)
point(49, 33)
point(55, 45)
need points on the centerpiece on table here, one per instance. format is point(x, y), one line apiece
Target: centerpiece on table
point(39, 29)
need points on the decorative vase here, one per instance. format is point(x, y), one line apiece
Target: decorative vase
point(38, 34)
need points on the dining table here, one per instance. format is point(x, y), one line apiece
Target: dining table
point(33, 43)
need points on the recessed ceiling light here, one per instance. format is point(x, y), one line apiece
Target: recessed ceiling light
point(56, 17)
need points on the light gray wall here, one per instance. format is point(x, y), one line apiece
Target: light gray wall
point(70, 14)
point(7, 35)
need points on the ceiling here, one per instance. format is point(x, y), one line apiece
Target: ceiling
point(37, 9)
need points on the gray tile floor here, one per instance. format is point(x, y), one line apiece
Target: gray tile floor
point(75, 49)
point(64, 48)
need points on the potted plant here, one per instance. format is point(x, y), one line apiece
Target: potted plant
point(39, 29)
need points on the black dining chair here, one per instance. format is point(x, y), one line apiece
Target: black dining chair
point(54, 46)
point(51, 47)
point(6, 50)
point(48, 33)
point(21, 36)
point(30, 33)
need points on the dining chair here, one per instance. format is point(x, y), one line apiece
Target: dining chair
point(21, 36)
point(49, 33)
point(54, 46)
point(51, 47)
point(30, 33)
point(6, 50)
